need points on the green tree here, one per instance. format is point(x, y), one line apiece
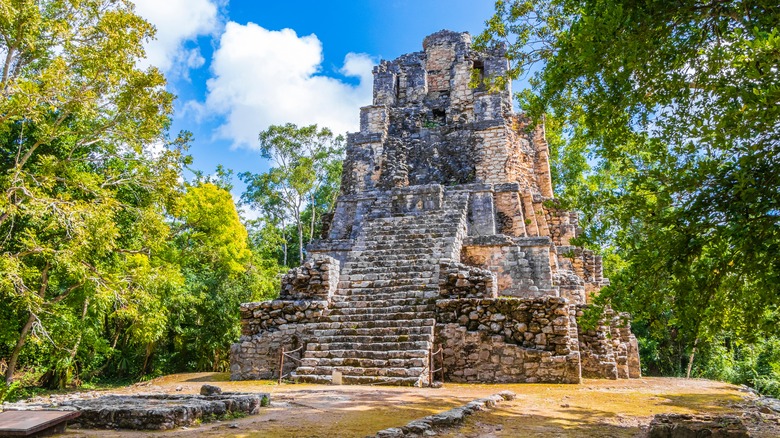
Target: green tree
point(669, 113)
point(305, 166)
point(211, 246)
point(82, 204)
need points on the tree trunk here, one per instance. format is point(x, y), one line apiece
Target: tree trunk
point(76, 346)
point(300, 242)
point(9, 372)
point(284, 245)
point(146, 358)
point(313, 218)
point(690, 360)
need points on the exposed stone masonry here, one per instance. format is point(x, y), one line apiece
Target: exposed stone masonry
point(445, 232)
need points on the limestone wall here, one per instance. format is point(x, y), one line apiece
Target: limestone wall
point(316, 279)
point(264, 316)
point(609, 350)
point(266, 328)
point(508, 340)
point(457, 280)
point(521, 265)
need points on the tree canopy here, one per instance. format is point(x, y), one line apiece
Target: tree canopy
point(303, 180)
point(109, 262)
point(82, 201)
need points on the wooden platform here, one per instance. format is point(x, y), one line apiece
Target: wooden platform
point(34, 423)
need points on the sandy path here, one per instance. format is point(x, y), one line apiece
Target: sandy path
point(598, 408)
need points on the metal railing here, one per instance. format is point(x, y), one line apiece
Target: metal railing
point(282, 355)
point(431, 360)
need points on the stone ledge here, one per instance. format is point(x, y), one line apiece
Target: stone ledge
point(160, 411)
point(494, 240)
point(533, 241)
point(330, 245)
point(453, 417)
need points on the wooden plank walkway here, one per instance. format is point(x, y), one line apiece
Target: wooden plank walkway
point(30, 423)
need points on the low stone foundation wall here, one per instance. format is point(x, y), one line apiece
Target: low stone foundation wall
point(609, 350)
point(257, 357)
point(508, 340)
point(268, 315)
point(266, 328)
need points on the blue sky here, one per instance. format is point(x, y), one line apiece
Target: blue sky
point(239, 66)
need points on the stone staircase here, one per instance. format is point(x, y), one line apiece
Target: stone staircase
point(380, 327)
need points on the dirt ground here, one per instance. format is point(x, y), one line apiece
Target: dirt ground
point(595, 408)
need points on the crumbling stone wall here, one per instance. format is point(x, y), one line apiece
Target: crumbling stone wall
point(257, 357)
point(609, 350)
point(316, 279)
point(457, 280)
point(269, 326)
point(508, 340)
point(271, 315)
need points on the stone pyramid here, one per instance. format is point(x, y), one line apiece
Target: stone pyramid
point(445, 238)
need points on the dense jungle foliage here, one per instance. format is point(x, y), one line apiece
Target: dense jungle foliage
point(113, 263)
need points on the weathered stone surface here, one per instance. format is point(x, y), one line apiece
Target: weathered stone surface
point(316, 279)
point(508, 340)
point(209, 390)
point(695, 426)
point(448, 418)
point(446, 232)
point(161, 412)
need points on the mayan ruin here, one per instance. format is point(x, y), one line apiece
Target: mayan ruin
point(445, 233)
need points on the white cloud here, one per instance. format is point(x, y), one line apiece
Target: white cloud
point(264, 77)
point(177, 22)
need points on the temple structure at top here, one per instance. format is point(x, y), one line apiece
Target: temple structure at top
point(446, 204)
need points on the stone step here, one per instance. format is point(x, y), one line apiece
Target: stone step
point(364, 363)
point(399, 316)
point(366, 354)
point(394, 338)
point(364, 267)
point(374, 323)
point(395, 242)
point(379, 274)
point(375, 331)
point(372, 294)
point(414, 220)
point(390, 258)
point(368, 346)
point(415, 308)
point(360, 380)
point(416, 236)
point(395, 257)
point(358, 371)
point(341, 303)
point(387, 283)
point(392, 263)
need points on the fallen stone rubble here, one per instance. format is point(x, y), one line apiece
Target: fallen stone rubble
point(681, 425)
point(449, 418)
